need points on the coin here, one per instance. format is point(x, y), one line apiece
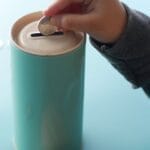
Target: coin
point(45, 27)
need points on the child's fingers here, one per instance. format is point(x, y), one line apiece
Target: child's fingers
point(59, 6)
point(73, 21)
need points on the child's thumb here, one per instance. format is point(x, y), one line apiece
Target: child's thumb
point(72, 22)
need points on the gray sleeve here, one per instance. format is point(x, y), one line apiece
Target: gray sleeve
point(130, 55)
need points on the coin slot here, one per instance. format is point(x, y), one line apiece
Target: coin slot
point(58, 33)
point(36, 35)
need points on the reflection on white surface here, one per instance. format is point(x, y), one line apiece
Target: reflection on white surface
point(1, 44)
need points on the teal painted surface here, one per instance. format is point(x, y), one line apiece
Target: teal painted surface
point(48, 99)
point(116, 117)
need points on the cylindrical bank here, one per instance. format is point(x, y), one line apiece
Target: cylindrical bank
point(48, 87)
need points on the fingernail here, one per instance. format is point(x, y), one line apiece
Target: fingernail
point(45, 12)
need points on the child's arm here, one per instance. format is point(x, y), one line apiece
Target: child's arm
point(130, 55)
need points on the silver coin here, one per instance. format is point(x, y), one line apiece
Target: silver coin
point(45, 27)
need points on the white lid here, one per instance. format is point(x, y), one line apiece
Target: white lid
point(43, 45)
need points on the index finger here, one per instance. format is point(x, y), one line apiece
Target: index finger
point(63, 6)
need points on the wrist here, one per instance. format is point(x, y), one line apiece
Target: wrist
point(121, 22)
point(114, 26)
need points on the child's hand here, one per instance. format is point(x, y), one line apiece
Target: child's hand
point(104, 20)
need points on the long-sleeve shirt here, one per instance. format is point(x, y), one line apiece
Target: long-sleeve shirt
point(130, 55)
